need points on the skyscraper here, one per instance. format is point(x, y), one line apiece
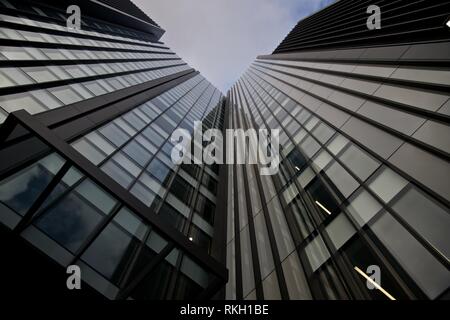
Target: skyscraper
point(86, 171)
point(359, 208)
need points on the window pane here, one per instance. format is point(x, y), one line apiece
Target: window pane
point(137, 153)
point(20, 190)
point(387, 184)
point(70, 221)
point(114, 134)
point(431, 276)
point(359, 162)
point(159, 170)
point(117, 173)
point(110, 252)
point(431, 220)
point(90, 152)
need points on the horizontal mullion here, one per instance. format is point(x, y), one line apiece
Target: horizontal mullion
point(47, 19)
point(48, 45)
point(409, 83)
point(353, 43)
point(39, 29)
point(121, 194)
point(427, 189)
point(433, 150)
point(50, 62)
point(56, 83)
point(331, 28)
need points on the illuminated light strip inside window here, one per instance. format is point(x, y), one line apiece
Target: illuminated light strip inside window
point(376, 285)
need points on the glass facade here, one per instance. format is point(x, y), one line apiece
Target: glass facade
point(138, 226)
point(86, 176)
point(354, 183)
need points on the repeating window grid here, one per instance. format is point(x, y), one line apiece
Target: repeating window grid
point(317, 168)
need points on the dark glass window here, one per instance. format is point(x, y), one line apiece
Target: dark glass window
point(192, 169)
point(171, 216)
point(111, 252)
point(182, 189)
point(159, 170)
point(205, 208)
point(201, 238)
point(322, 197)
point(297, 159)
point(192, 279)
point(155, 285)
point(361, 258)
point(209, 182)
point(21, 190)
point(70, 221)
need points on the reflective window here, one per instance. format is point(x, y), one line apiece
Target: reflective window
point(342, 179)
point(137, 153)
point(386, 184)
point(89, 151)
point(70, 221)
point(21, 190)
point(112, 249)
point(114, 134)
point(158, 169)
point(430, 219)
point(117, 173)
point(362, 164)
point(431, 276)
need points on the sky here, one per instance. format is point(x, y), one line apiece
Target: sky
point(221, 38)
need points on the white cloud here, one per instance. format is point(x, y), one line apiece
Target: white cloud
point(220, 38)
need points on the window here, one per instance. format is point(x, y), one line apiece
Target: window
point(337, 144)
point(363, 207)
point(134, 120)
point(13, 76)
point(114, 134)
point(100, 142)
point(171, 216)
point(386, 184)
point(89, 151)
point(310, 146)
point(66, 94)
point(324, 200)
point(96, 196)
point(362, 164)
point(21, 190)
point(205, 208)
point(70, 221)
point(127, 164)
point(181, 189)
point(343, 181)
point(431, 276)
point(159, 170)
point(137, 153)
point(199, 237)
point(18, 101)
point(115, 246)
point(154, 137)
point(143, 193)
point(40, 74)
point(117, 173)
point(426, 216)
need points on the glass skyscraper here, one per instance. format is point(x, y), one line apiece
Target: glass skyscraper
point(86, 171)
point(364, 181)
point(362, 191)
